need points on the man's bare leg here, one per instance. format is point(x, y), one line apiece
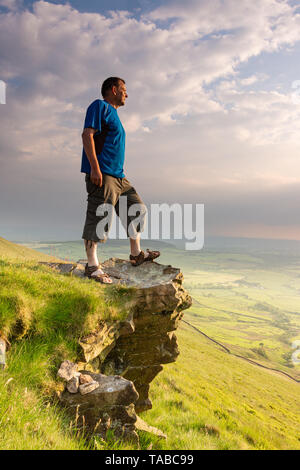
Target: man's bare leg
point(91, 253)
point(135, 246)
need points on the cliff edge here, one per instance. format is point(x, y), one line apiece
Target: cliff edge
point(137, 347)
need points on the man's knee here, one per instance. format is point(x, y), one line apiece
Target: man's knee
point(89, 244)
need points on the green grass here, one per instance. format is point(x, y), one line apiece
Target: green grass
point(17, 252)
point(44, 314)
point(29, 422)
point(207, 399)
point(35, 299)
point(211, 400)
point(30, 415)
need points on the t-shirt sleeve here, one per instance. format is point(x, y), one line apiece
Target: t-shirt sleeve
point(93, 116)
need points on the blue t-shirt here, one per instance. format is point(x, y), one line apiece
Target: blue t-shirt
point(111, 159)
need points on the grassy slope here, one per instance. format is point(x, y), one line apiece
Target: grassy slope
point(15, 251)
point(27, 422)
point(211, 400)
point(206, 400)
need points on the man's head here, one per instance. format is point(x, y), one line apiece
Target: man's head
point(114, 91)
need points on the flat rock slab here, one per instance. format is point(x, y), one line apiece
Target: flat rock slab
point(121, 271)
point(88, 387)
point(148, 274)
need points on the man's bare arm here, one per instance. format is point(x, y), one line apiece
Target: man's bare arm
point(89, 148)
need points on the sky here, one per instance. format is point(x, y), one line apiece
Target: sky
point(212, 116)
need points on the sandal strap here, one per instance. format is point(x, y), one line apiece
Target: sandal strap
point(140, 255)
point(139, 259)
point(91, 269)
point(101, 276)
point(153, 254)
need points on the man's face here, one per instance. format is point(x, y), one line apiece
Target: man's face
point(121, 94)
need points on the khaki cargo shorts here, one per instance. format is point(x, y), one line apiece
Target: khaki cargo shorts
point(109, 193)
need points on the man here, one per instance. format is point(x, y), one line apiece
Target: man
point(103, 157)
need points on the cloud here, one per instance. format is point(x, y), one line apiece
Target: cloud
point(192, 121)
point(12, 5)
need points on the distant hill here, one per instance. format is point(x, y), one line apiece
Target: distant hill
point(13, 250)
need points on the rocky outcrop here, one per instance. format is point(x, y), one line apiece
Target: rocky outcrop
point(134, 349)
point(147, 340)
point(109, 406)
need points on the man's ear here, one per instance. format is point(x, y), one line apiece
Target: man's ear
point(114, 90)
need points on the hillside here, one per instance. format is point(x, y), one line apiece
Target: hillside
point(207, 399)
point(211, 400)
point(20, 252)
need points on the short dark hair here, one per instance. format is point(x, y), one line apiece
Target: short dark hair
point(109, 83)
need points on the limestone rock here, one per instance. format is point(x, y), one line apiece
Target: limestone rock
point(67, 370)
point(101, 342)
point(88, 387)
point(85, 379)
point(73, 384)
point(109, 406)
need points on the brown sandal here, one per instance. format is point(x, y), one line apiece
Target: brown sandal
point(140, 258)
point(99, 277)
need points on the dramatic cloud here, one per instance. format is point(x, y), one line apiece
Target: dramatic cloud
point(198, 128)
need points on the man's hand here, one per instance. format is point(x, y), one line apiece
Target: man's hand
point(96, 176)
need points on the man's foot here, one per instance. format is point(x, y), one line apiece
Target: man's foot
point(142, 257)
point(96, 273)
